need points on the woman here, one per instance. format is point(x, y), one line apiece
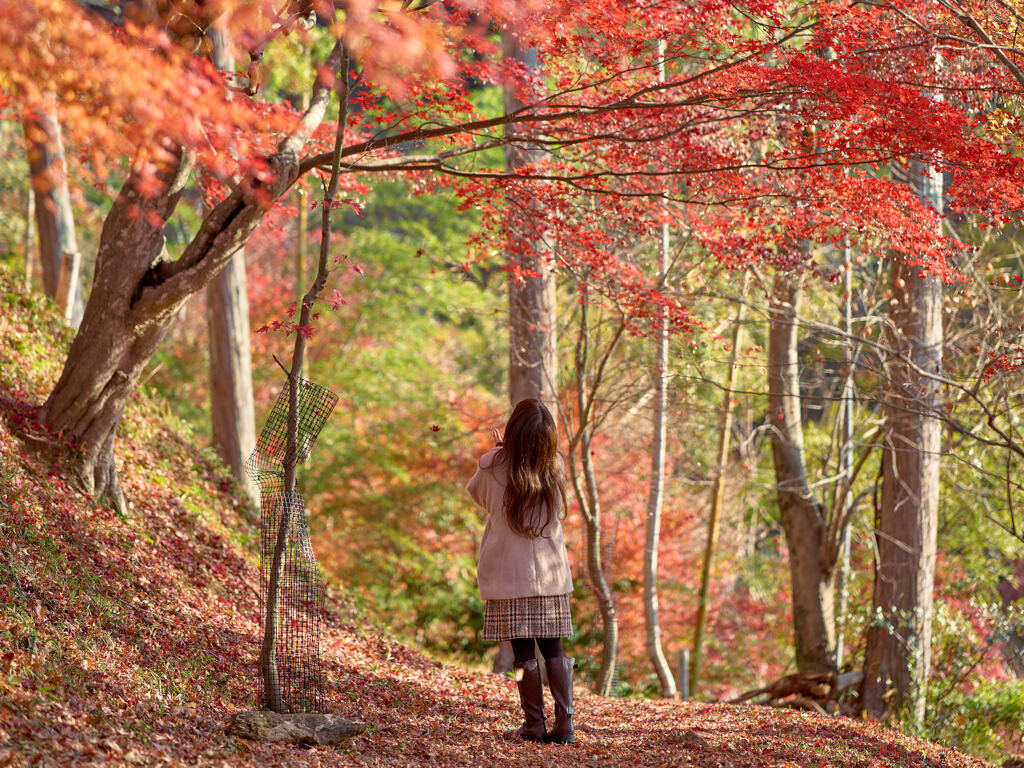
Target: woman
point(523, 568)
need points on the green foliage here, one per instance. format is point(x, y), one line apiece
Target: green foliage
point(985, 718)
point(32, 332)
point(966, 705)
point(287, 67)
point(14, 190)
point(416, 347)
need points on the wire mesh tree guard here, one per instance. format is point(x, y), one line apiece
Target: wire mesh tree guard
point(296, 660)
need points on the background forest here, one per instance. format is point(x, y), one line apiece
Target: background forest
point(776, 394)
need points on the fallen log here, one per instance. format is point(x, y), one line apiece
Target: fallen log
point(813, 685)
point(813, 691)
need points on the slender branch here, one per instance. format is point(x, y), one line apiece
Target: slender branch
point(288, 501)
point(225, 228)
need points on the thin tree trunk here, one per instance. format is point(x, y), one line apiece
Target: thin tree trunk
point(898, 650)
point(268, 652)
point(657, 489)
point(717, 494)
point(301, 225)
point(812, 577)
point(232, 415)
point(845, 459)
point(595, 571)
point(587, 493)
point(30, 214)
point(302, 222)
point(55, 222)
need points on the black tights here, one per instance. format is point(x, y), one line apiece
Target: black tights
point(522, 647)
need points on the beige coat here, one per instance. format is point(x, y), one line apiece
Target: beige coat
point(511, 565)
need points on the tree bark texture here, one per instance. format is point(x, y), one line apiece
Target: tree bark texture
point(115, 339)
point(599, 583)
point(812, 575)
point(232, 416)
point(533, 362)
point(137, 291)
point(898, 650)
point(55, 221)
point(29, 241)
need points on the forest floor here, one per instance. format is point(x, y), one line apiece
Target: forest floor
point(132, 640)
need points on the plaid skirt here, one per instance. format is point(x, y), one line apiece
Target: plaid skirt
point(544, 616)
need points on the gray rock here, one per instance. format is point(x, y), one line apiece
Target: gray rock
point(304, 729)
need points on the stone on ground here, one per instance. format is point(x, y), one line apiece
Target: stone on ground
point(303, 728)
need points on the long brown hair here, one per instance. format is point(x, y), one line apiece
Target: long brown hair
point(536, 480)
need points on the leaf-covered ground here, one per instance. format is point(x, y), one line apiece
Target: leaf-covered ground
point(131, 641)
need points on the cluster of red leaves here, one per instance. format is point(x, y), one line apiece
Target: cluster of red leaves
point(764, 150)
point(1006, 362)
point(58, 56)
point(129, 82)
point(763, 140)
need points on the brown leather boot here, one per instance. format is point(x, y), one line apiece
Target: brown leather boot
point(559, 670)
point(531, 697)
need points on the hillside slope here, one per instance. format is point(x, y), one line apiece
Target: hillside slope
point(132, 641)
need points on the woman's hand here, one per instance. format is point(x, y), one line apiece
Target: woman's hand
point(498, 440)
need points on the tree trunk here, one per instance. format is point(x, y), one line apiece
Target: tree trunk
point(301, 235)
point(232, 416)
point(532, 360)
point(533, 363)
point(55, 221)
point(29, 240)
point(268, 661)
point(231, 400)
point(1010, 594)
point(844, 499)
point(587, 493)
point(136, 293)
point(115, 339)
point(595, 571)
point(812, 577)
point(657, 490)
point(898, 651)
